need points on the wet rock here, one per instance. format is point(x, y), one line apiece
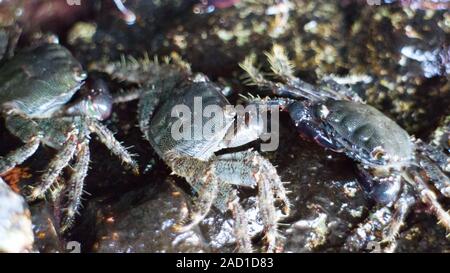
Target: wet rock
point(111, 37)
point(143, 221)
point(422, 236)
point(16, 234)
point(403, 54)
point(327, 201)
point(45, 229)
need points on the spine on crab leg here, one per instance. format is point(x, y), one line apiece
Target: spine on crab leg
point(76, 184)
point(19, 155)
point(107, 138)
point(244, 243)
point(55, 167)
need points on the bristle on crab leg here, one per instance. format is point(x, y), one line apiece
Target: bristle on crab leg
point(278, 189)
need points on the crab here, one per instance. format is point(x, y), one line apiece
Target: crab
point(38, 103)
point(207, 163)
point(398, 170)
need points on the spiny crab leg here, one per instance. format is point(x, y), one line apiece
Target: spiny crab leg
point(202, 204)
point(18, 156)
point(59, 162)
point(244, 244)
point(107, 138)
point(76, 183)
point(429, 197)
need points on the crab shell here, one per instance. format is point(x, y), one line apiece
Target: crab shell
point(196, 97)
point(38, 81)
point(368, 135)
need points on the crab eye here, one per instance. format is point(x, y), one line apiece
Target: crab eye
point(377, 153)
point(79, 74)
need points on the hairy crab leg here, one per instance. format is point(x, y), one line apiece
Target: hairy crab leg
point(250, 169)
point(107, 138)
point(127, 96)
point(76, 183)
point(266, 204)
point(365, 234)
point(58, 163)
point(434, 154)
point(243, 241)
point(19, 155)
point(438, 178)
point(401, 210)
point(282, 68)
point(203, 203)
point(429, 198)
point(278, 189)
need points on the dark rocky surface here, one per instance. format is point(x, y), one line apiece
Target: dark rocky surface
point(127, 213)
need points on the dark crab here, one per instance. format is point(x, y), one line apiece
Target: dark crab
point(204, 162)
point(399, 170)
point(37, 101)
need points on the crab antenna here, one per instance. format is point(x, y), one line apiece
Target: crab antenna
point(128, 15)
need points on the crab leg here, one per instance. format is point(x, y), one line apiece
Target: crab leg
point(203, 203)
point(250, 169)
point(439, 179)
point(401, 210)
point(107, 138)
point(435, 155)
point(127, 96)
point(18, 156)
point(429, 197)
point(76, 183)
point(268, 211)
point(55, 167)
point(244, 244)
point(27, 130)
point(282, 67)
